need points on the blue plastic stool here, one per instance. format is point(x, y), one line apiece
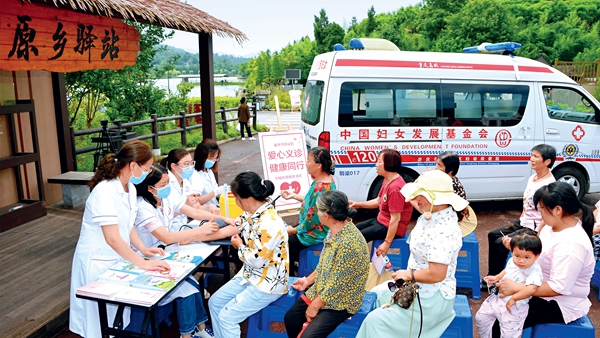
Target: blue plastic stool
point(596, 277)
point(462, 324)
point(398, 252)
point(580, 328)
point(467, 267)
point(349, 328)
point(308, 259)
point(259, 324)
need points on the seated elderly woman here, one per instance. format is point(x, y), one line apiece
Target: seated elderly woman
point(567, 259)
point(338, 283)
point(434, 245)
point(310, 230)
point(394, 212)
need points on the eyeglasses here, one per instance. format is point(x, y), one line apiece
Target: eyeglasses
point(145, 171)
point(216, 159)
point(186, 164)
point(393, 286)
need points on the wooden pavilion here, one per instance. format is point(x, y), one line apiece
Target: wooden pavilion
point(34, 136)
point(35, 143)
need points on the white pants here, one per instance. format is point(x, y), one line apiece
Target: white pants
point(511, 323)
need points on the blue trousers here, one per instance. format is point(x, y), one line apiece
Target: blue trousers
point(190, 311)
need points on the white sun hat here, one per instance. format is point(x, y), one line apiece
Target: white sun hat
point(436, 187)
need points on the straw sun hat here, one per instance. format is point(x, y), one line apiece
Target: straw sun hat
point(436, 187)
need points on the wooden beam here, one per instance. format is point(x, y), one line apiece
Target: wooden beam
point(207, 85)
point(67, 158)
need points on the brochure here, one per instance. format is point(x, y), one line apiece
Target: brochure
point(152, 282)
point(100, 289)
point(139, 296)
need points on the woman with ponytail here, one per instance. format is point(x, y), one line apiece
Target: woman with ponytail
point(182, 197)
point(262, 247)
point(337, 286)
point(567, 259)
point(107, 231)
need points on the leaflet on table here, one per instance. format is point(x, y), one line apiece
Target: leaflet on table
point(153, 282)
point(180, 257)
point(100, 289)
point(117, 277)
point(177, 270)
point(139, 296)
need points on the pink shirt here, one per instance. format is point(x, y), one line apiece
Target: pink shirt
point(567, 262)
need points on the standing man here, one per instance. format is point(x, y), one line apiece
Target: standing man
point(243, 118)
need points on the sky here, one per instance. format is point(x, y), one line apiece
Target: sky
point(272, 24)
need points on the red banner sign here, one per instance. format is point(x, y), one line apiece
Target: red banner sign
point(48, 38)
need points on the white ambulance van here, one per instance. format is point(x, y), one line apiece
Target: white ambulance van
point(489, 109)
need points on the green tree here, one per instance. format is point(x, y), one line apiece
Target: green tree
point(277, 71)
point(371, 25)
point(320, 31)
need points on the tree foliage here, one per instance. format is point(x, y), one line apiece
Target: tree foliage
point(558, 29)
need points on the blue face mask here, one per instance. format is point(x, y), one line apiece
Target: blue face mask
point(187, 172)
point(163, 192)
point(138, 180)
point(209, 164)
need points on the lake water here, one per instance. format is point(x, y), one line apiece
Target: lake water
point(229, 90)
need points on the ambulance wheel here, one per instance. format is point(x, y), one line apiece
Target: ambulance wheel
point(573, 177)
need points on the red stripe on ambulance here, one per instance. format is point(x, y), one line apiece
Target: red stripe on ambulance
point(435, 65)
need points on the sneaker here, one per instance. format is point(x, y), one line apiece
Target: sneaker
point(206, 333)
point(243, 139)
point(252, 139)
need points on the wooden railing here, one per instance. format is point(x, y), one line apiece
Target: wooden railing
point(154, 122)
point(580, 72)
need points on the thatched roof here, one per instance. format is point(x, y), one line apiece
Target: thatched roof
point(173, 14)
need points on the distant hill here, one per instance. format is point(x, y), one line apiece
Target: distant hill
point(188, 63)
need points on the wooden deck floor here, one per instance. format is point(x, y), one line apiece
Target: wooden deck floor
point(35, 273)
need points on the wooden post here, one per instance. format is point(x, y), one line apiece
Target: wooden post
point(207, 85)
point(154, 131)
point(254, 116)
point(224, 118)
point(184, 129)
point(72, 134)
point(68, 160)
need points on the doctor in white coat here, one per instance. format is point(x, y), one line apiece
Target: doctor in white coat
point(107, 231)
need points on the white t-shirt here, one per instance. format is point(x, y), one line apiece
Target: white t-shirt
point(150, 218)
point(204, 183)
point(178, 197)
point(530, 276)
point(531, 217)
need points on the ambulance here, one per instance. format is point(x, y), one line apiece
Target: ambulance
point(490, 109)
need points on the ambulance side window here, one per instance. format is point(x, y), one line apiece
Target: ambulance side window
point(389, 104)
point(484, 104)
point(569, 105)
point(311, 102)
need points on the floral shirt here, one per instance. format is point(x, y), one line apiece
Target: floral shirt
point(264, 250)
point(437, 240)
point(458, 188)
point(310, 229)
point(531, 216)
point(341, 274)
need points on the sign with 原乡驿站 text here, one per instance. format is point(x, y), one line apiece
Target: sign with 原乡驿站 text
point(284, 163)
point(38, 37)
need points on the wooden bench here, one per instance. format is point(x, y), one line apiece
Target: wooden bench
point(75, 188)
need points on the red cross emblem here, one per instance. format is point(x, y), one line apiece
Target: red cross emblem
point(578, 133)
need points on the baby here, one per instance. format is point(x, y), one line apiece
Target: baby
point(522, 268)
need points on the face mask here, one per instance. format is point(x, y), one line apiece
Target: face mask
point(209, 164)
point(163, 192)
point(187, 172)
point(138, 180)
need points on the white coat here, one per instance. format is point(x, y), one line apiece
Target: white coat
point(107, 204)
